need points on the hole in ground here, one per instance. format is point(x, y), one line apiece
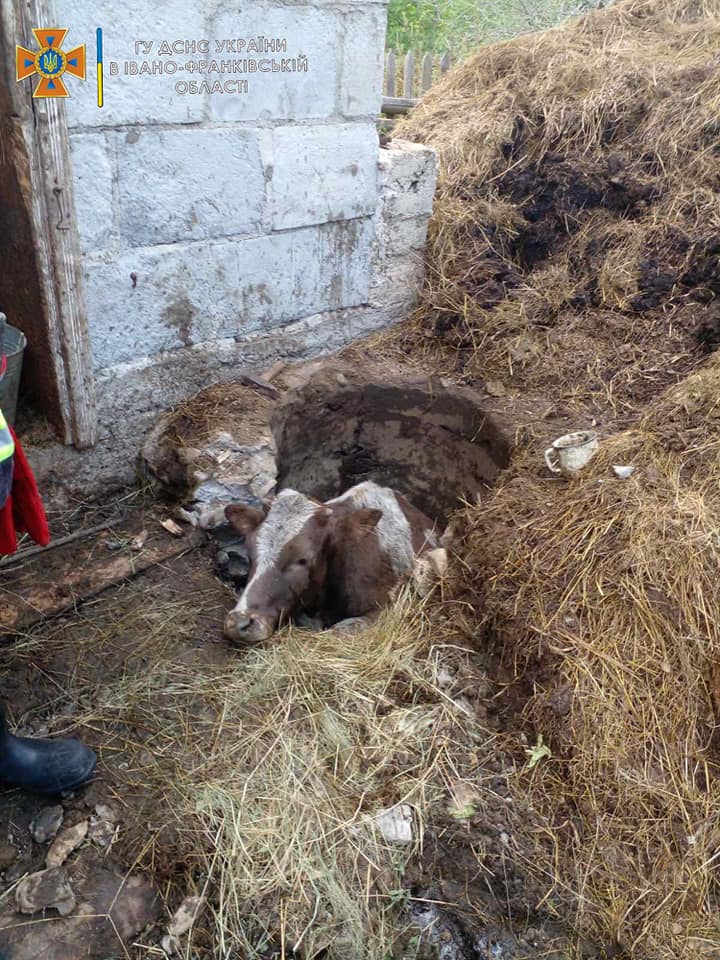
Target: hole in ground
point(428, 439)
point(333, 424)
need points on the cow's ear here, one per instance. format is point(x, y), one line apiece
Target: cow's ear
point(243, 518)
point(365, 520)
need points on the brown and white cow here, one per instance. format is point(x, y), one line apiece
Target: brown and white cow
point(335, 561)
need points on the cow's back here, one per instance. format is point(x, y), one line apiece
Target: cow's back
point(424, 536)
point(363, 570)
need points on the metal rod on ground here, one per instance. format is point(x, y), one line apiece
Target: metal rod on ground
point(60, 542)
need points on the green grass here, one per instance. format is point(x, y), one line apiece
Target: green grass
point(459, 25)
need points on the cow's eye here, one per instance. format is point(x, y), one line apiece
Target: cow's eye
point(302, 562)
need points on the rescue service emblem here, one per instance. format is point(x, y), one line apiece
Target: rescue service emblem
point(51, 63)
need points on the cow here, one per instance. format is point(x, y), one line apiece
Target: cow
point(335, 561)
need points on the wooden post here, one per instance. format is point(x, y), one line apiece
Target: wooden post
point(444, 64)
point(390, 74)
point(409, 86)
point(61, 225)
point(427, 72)
point(426, 81)
point(49, 196)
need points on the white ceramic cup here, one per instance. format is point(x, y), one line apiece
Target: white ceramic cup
point(570, 453)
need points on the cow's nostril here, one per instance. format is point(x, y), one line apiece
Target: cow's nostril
point(248, 628)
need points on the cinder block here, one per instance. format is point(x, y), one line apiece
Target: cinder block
point(363, 54)
point(159, 298)
point(189, 184)
point(183, 294)
point(287, 276)
point(93, 183)
point(396, 287)
point(287, 93)
point(397, 237)
point(404, 160)
point(322, 173)
point(408, 178)
point(144, 98)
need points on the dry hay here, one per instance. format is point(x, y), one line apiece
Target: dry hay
point(253, 779)
point(231, 407)
point(575, 237)
point(604, 595)
point(574, 251)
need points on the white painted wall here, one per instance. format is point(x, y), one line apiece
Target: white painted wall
point(222, 231)
point(234, 211)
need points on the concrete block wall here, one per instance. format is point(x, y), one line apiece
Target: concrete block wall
point(230, 180)
point(407, 179)
point(223, 230)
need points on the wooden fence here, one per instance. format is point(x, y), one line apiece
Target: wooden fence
point(407, 78)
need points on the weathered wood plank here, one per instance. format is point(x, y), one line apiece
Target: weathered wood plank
point(74, 334)
point(390, 74)
point(82, 574)
point(427, 72)
point(409, 81)
point(393, 106)
point(50, 203)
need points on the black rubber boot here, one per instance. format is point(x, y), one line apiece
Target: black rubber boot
point(43, 766)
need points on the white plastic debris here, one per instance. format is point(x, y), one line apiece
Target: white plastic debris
point(138, 542)
point(185, 916)
point(623, 472)
point(396, 823)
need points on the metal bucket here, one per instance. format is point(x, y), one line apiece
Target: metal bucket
point(14, 344)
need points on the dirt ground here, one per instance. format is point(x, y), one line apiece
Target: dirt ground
point(63, 666)
point(572, 279)
point(570, 290)
point(466, 894)
point(468, 885)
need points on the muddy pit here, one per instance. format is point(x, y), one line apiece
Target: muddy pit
point(322, 428)
point(429, 439)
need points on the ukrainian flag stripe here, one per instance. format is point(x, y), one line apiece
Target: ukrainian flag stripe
point(100, 67)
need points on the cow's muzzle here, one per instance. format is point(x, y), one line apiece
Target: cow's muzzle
point(242, 628)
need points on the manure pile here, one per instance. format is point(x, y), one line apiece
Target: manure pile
point(575, 253)
point(574, 249)
point(603, 595)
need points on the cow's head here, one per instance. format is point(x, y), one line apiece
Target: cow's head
point(289, 543)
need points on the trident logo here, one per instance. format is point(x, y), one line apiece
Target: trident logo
point(50, 63)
